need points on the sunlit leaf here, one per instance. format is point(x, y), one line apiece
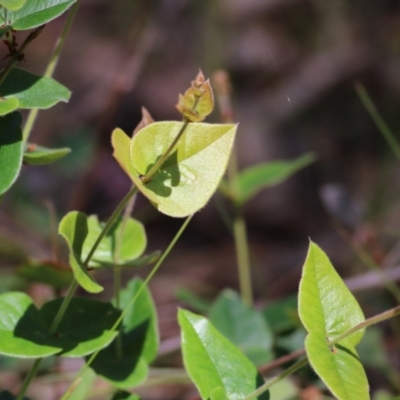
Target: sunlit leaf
point(190, 175)
point(12, 5)
point(11, 148)
point(35, 13)
point(215, 365)
point(33, 91)
point(8, 105)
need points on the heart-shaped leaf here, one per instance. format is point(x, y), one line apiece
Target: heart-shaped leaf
point(243, 326)
point(35, 13)
point(24, 329)
point(33, 91)
point(257, 177)
point(8, 105)
point(81, 331)
point(74, 229)
point(133, 242)
point(11, 148)
point(327, 309)
point(38, 155)
point(12, 5)
point(138, 341)
point(190, 175)
point(214, 364)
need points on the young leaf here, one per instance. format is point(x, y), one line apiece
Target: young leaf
point(214, 364)
point(23, 330)
point(133, 242)
point(325, 303)
point(190, 176)
point(11, 147)
point(327, 309)
point(8, 105)
point(12, 5)
point(74, 229)
point(33, 91)
point(139, 341)
point(255, 178)
point(38, 155)
point(339, 367)
point(243, 326)
point(35, 13)
point(81, 331)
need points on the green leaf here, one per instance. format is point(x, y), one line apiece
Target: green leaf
point(35, 13)
point(38, 155)
point(339, 367)
point(122, 395)
point(325, 302)
point(47, 272)
point(138, 341)
point(214, 363)
point(282, 315)
point(74, 229)
point(11, 147)
point(133, 242)
point(327, 309)
point(33, 91)
point(243, 326)
point(8, 105)
point(190, 175)
point(255, 178)
point(23, 330)
point(12, 5)
point(4, 30)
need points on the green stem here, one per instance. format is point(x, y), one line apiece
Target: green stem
point(30, 121)
point(132, 302)
point(299, 364)
point(74, 285)
point(17, 55)
point(117, 269)
point(377, 118)
point(159, 163)
point(29, 378)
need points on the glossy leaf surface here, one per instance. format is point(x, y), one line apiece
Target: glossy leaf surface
point(38, 155)
point(243, 326)
point(216, 366)
point(255, 178)
point(11, 148)
point(327, 309)
point(325, 302)
point(35, 13)
point(8, 105)
point(74, 229)
point(189, 176)
point(33, 91)
point(139, 341)
point(339, 367)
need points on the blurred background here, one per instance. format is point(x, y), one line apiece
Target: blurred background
point(293, 65)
